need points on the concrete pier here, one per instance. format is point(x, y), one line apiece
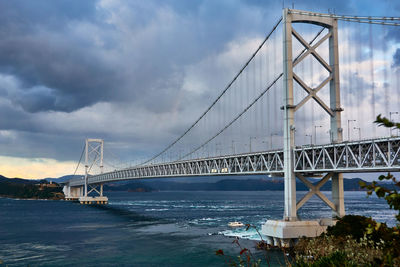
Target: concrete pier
point(93, 200)
point(281, 233)
point(78, 194)
point(72, 193)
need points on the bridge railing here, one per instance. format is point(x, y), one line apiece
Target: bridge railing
point(367, 155)
point(362, 156)
point(251, 163)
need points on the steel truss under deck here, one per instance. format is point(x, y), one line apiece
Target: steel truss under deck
point(377, 155)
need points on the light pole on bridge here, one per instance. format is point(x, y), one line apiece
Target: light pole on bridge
point(348, 129)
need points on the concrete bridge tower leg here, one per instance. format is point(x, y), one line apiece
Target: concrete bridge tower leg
point(336, 127)
point(290, 212)
point(338, 195)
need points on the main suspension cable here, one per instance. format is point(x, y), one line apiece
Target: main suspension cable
point(251, 104)
point(220, 95)
point(77, 166)
point(235, 119)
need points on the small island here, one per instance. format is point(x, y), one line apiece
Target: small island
point(30, 189)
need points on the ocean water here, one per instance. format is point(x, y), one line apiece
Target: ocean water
point(151, 229)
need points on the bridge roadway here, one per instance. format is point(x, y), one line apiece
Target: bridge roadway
point(375, 155)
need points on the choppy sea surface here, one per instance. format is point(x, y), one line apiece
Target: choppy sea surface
point(151, 229)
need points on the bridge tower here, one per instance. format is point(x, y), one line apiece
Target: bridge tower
point(94, 149)
point(290, 227)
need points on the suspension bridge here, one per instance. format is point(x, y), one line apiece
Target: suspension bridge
point(281, 115)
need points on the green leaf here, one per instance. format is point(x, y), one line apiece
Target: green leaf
point(369, 230)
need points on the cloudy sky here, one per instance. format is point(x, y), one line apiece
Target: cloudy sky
point(135, 73)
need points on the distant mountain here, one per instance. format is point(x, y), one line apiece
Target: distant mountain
point(19, 180)
point(36, 181)
point(62, 179)
point(130, 186)
point(224, 185)
point(233, 183)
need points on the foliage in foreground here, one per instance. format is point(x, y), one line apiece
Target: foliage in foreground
point(354, 240)
point(333, 251)
point(342, 251)
point(357, 240)
point(391, 195)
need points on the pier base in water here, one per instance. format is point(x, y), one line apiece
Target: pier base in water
point(285, 233)
point(93, 200)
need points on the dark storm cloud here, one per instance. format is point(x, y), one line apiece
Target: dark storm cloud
point(72, 76)
point(41, 47)
point(15, 119)
point(37, 99)
point(38, 49)
point(74, 56)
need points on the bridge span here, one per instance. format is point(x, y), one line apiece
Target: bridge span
point(378, 155)
point(299, 89)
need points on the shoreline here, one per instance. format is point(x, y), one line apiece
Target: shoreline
point(19, 198)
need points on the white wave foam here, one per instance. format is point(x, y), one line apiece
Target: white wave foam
point(250, 234)
point(156, 209)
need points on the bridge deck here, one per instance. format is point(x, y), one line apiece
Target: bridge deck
point(375, 155)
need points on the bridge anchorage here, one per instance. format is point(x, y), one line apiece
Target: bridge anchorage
point(292, 162)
